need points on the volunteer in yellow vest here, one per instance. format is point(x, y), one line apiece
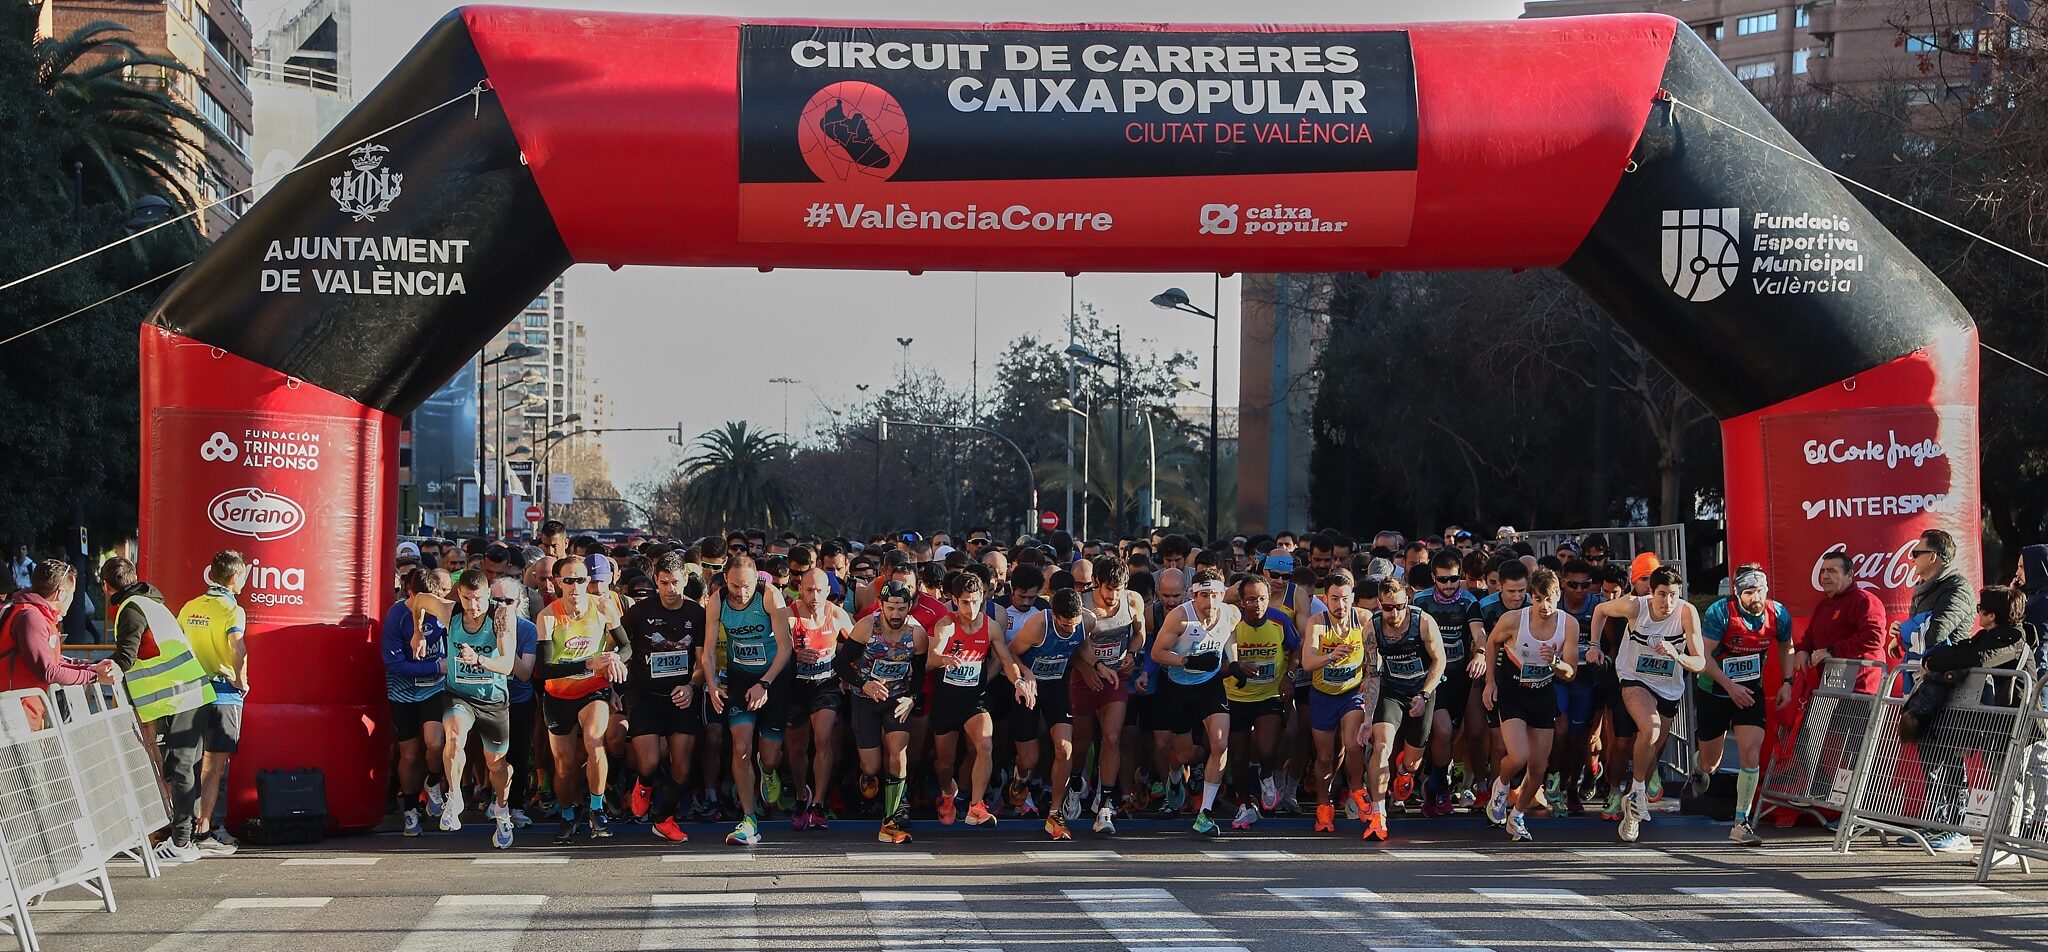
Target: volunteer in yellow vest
point(216, 627)
point(1337, 656)
point(169, 689)
point(1266, 645)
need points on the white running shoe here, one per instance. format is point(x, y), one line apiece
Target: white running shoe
point(1518, 828)
point(502, 836)
point(1072, 806)
point(520, 820)
point(435, 799)
point(451, 812)
point(213, 845)
point(1246, 816)
point(1105, 821)
point(171, 854)
point(1744, 834)
point(1269, 793)
point(1497, 809)
point(1631, 820)
point(413, 826)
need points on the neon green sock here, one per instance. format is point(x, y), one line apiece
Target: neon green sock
point(892, 795)
point(1745, 792)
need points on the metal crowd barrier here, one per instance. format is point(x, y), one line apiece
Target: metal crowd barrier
point(1815, 773)
point(1952, 778)
point(77, 788)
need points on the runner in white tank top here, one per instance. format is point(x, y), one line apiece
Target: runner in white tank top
point(1526, 654)
point(1660, 652)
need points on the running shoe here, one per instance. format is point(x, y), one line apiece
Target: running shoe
point(771, 786)
point(747, 833)
point(1518, 829)
point(413, 826)
point(1176, 794)
point(1017, 793)
point(1631, 821)
point(1359, 808)
point(1288, 804)
point(1326, 818)
point(600, 828)
point(949, 810)
point(892, 832)
point(1105, 821)
point(870, 786)
point(1941, 843)
point(1439, 805)
point(1206, 826)
point(671, 831)
point(225, 837)
point(215, 844)
point(502, 836)
point(451, 812)
point(1553, 788)
point(1269, 793)
point(699, 811)
point(1611, 810)
point(565, 832)
point(642, 801)
point(434, 799)
point(1404, 785)
point(520, 820)
point(1056, 826)
point(1029, 807)
point(1469, 799)
point(1247, 815)
point(1656, 786)
point(978, 815)
point(1350, 809)
point(819, 821)
point(1497, 810)
point(1375, 825)
point(169, 853)
point(1744, 834)
point(1071, 806)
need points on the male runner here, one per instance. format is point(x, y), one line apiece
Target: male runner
point(485, 643)
point(882, 659)
point(1663, 639)
point(578, 671)
point(417, 690)
point(1337, 656)
point(1581, 709)
point(216, 626)
point(960, 702)
point(816, 626)
point(1412, 666)
point(1741, 634)
point(1458, 715)
point(747, 650)
point(1194, 645)
point(1048, 647)
point(1539, 645)
point(667, 631)
point(1024, 600)
point(1101, 688)
point(1266, 643)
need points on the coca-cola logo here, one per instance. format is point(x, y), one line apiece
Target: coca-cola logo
point(1879, 570)
point(1888, 451)
point(254, 513)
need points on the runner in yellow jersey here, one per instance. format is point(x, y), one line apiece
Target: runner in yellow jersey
point(1266, 643)
point(1337, 655)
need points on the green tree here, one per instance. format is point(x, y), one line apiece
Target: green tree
point(113, 101)
point(728, 479)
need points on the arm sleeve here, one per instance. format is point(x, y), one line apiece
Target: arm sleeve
point(560, 669)
point(846, 662)
point(625, 644)
point(397, 641)
point(916, 670)
point(129, 627)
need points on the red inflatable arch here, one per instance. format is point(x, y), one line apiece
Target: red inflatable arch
point(275, 371)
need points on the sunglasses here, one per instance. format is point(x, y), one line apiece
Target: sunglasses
point(1448, 579)
point(1920, 552)
point(714, 566)
point(504, 601)
point(1393, 608)
point(1579, 586)
point(572, 579)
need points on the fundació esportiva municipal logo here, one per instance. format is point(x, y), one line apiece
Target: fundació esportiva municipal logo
point(853, 129)
point(366, 192)
point(1702, 251)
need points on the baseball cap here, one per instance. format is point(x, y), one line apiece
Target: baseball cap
point(1644, 564)
point(408, 550)
point(1279, 563)
point(600, 567)
point(942, 551)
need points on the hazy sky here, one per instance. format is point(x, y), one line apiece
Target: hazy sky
point(835, 329)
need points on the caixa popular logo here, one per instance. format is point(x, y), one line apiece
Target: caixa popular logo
point(254, 513)
point(1702, 251)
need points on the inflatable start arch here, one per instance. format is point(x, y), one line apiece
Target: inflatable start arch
point(276, 370)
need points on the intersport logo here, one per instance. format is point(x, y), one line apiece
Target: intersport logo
point(259, 515)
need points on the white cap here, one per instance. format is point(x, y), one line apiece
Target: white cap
point(941, 552)
point(408, 550)
point(1504, 531)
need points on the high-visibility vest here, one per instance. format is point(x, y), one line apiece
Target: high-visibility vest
point(174, 681)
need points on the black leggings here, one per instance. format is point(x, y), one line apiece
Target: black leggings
point(521, 754)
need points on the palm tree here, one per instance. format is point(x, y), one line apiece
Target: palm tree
point(1181, 464)
point(729, 483)
point(120, 110)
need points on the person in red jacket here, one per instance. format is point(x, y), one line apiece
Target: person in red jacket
point(31, 628)
point(1848, 623)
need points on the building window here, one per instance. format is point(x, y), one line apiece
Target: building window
point(1799, 58)
point(1762, 69)
point(1802, 16)
point(1709, 31)
point(536, 338)
point(216, 115)
point(218, 40)
point(1920, 44)
point(537, 320)
point(1761, 23)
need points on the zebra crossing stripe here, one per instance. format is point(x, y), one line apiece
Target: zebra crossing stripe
point(1435, 855)
point(891, 856)
point(1341, 907)
point(1591, 921)
point(1819, 919)
point(1150, 919)
point(1073, 856)
point(708, 921)
point(465, 923)
point(278, 902)
point(707, 857)
point(335, 861)
point(926, 919)
point(239, 923)
point(520, 861)
point(1265, 856)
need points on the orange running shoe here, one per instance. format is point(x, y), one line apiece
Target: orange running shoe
point(1359, 805)
point(978, 815)
point(642, 801)
point(1375, 823)
point(1404, 785)
point(1326, 818)
point(1056, 826)
point(949, 810)
point(671, 831)
point(891, 833)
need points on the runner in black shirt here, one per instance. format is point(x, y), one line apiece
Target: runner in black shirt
point(661, 694)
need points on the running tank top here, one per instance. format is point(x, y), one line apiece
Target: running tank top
point(1049, 658)
point(749, 636)
point(1340, 677)
point(820, 635)
point(1195, 639)
point(1260, 648)
point(888, 655)
point(474, 681)
point(971, 647)
point(1742, 646)
point(1111, 637)
point(1639, 661)
point(1532, 672)
point(1402, 658)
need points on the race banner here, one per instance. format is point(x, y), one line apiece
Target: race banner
point(1090, 138)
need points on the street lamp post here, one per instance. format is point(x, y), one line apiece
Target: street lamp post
point(513, 351)
point(1081, 355)
point(1175, 299)
point(785, 382)
point(556, 438)
point(882, 425)
point(1066, 406)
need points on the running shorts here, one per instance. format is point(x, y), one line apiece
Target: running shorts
point(1326, 711)
point(408, 716)
point(773, 714)
point(1454, 693)
point(1181, 708)
point(1088, 702)
point(872, 719)
point(1534, 707)
point(1243, 714)
point(1054, 708)
point(1717, 712)
point(563, 717)
point(491, 723)
point(809, 697)
point(1410, 731)
point(1575, 700)
point(651, 713)
point(953, 706)
point(1624, 722)
point(224, 728)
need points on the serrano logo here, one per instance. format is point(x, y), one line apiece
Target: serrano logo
point(853, 128)
point(254, 513)
point(1702, 251)
point(219, 448)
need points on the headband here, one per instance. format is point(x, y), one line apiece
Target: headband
point(1752, 579)
point(1211, 586)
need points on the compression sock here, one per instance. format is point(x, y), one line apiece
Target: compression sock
point(1209, 788)
point(597, 803)
point(568, 811)
point(892, 795)
point(1745, 793)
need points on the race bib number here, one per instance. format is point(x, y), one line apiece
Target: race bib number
point(965, 674)
point(1049, 668)
point(1745, 668)
point(668, 664)
point(473, 674)
point(1406, 668)
point(1338, 674)
point(1261, 672)
point(1454, 650)
point(1656, 667)
point(1300, 676)
point(814, 670)
point(1535, 674)
point(889, 670)
point(751, 654)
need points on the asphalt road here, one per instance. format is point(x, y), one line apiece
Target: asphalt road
point(1440, 885)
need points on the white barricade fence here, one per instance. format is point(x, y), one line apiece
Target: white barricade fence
point(1814, 771)
point(2019, 822)
point(1951, 778)
point(122, 793)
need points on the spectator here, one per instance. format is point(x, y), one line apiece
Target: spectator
point(23, 567)
point(1848, 623)
point(30, 634)
point(1941, 596)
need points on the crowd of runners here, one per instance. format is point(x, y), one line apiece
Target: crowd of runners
point(748, 679)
